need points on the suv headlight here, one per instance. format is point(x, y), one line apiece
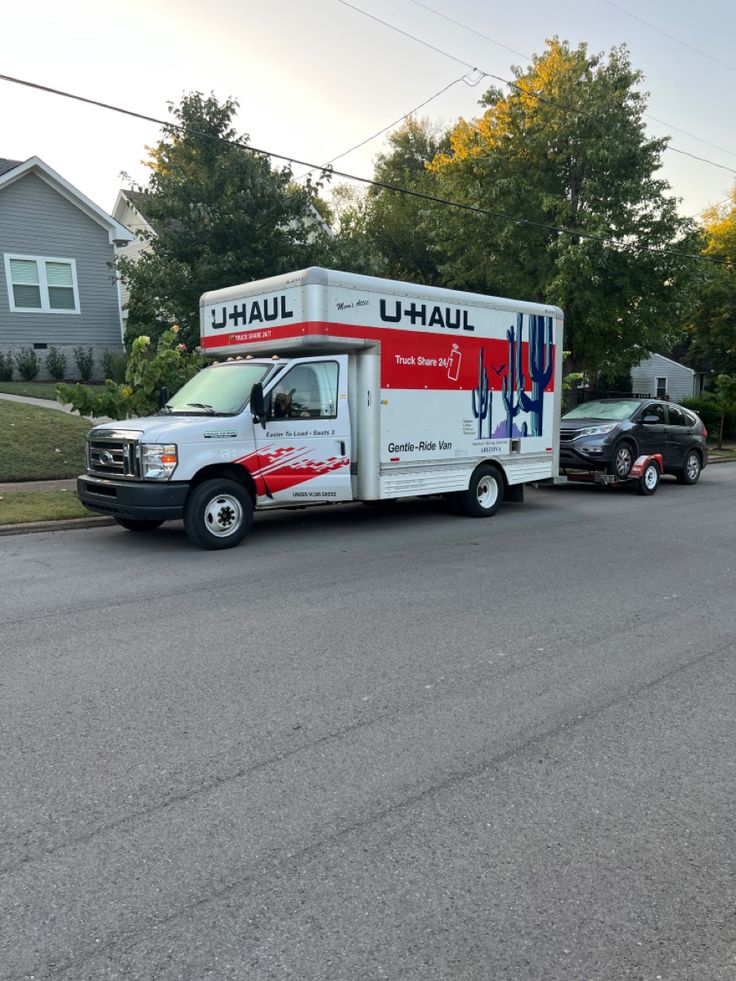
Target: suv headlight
point(158, 460)
point(597, 430)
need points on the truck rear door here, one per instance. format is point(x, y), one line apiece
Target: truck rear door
point(304, 450)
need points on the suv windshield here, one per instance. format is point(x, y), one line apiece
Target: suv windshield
point(222, 389)
point(615, 411)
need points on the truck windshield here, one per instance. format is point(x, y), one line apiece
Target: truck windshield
point(222, 389)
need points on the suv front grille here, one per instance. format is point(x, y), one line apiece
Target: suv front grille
point(111, 454)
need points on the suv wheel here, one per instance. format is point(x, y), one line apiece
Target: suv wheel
point(623, 461)
point(690, 473)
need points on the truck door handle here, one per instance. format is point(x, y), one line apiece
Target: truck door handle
point(342, 447)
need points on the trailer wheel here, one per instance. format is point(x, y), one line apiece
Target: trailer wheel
point(134, 525)
point(218, 514)
point(484, 494)
point(649, 480)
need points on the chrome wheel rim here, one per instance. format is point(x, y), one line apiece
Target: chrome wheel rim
point(692, 466)
point(223, 515)
point(487, 492)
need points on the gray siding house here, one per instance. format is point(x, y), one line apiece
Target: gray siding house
point(57, 284)
point(661, 377)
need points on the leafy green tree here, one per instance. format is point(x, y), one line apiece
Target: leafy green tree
point(566, 153)
point(401, 228)
point(222, 215)
point(712, 325)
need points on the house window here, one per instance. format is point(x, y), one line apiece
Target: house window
point(661, 388)
point(41, 283)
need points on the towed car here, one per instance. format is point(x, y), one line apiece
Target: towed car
point(609, 434)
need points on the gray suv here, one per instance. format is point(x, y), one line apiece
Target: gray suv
point(609, 434)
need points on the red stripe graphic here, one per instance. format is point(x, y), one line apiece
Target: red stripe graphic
point(410, 359)
point(278, 468)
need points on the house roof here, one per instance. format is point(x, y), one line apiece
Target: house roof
point(13, 170)
point(8, 164)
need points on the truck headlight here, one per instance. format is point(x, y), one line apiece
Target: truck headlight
point(158, 460)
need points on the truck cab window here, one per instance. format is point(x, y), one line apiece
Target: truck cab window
point(307, 391)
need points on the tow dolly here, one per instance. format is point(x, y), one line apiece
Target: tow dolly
point(644, 474)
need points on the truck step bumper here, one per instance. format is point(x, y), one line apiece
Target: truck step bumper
point(137, 501)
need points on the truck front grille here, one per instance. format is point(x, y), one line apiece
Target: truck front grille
point(113, 455)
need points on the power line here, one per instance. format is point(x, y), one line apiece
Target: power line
point(672, 37)
point(515, 85)
point(526, 57)
point(463, 78)
point(435, 199)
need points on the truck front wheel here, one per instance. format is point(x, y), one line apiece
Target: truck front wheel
point(218, 514)
point(484, 494)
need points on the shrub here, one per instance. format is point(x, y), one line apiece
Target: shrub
point(168, 365)
point(28, 364)
point(6, 367)
point(85, 362)
point(708, 407)
point(114, 364)
point(56, 364)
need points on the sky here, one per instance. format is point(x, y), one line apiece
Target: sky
point(315, 77)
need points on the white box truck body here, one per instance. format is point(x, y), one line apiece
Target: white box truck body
point(340, 387)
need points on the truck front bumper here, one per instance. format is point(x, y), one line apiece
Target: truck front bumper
point(136, 500)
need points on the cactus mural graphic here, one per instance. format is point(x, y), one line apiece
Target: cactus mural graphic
point(540, 370)
point(513, 383)
point(482, 399)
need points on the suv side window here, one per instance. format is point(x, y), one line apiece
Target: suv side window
point(655, 409)
point(677, 416)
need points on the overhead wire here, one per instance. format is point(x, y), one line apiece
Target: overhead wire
point(514, 85)
point(672, 37)
point(411, 112)
point(487, 212)
point(527, 57)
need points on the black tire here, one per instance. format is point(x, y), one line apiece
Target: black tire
point(622, 461)
point(484, 494)
point(218, 514)
point(134, 525)
point(649, 481)
point(690, 473)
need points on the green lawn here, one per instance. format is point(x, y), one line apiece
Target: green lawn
point(40, 444)
point(16, 508)
point(34, 390)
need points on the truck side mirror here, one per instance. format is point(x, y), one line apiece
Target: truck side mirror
point(257, 404)
point(163, 397)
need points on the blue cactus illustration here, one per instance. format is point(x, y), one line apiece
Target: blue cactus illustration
point(513, 382)
point(540, 369)
point(482, 397)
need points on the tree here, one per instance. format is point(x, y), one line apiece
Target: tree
point(582, 221)
point(401, 227)
point(222, 215)
point(712, 325)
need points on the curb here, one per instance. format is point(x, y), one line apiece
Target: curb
point(63, 524)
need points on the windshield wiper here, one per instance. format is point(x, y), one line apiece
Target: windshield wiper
point(203, 405)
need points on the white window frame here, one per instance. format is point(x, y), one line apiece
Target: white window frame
point(657, 380)
point(43, 285)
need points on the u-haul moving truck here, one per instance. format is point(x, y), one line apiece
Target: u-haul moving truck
point(338, 387)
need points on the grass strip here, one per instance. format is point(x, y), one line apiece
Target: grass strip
point(40, 444)
point(19, 507)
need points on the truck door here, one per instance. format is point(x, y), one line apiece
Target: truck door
point(304, 451)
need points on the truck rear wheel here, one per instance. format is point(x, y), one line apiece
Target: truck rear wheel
point(218, 514)
point(484, 494)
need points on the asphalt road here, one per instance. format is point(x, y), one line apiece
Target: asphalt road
point(376, 745)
